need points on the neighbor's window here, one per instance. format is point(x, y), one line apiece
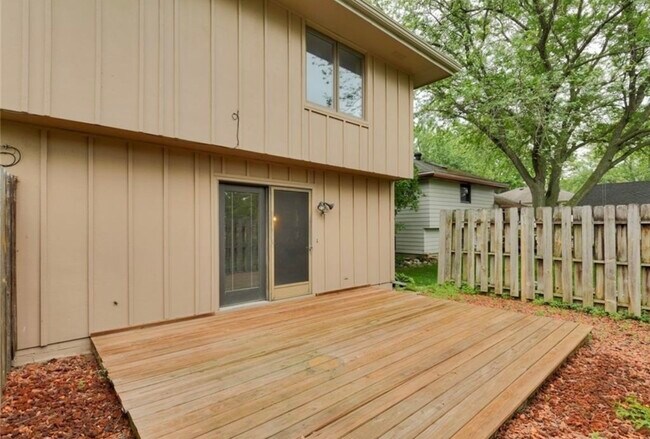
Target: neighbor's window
point(465, 193)
point(334, 75)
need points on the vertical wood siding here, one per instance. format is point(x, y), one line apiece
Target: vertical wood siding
point(113, 233)
point(181, 69)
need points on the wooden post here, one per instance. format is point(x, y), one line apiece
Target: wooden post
point(458, 247)
point(527, 253)
point(610, 258)
point(567, 255)
point(634, 259)
point(514, 252)
point(587, 257)
point(498, 251)
point(442, 248)
point(485, 230)
point(471, 248)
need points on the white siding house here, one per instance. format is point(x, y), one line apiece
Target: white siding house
point(418, 231)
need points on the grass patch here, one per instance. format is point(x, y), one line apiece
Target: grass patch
point(421, 276)
point(633, 410)
point(592, 310)
point(424, 278)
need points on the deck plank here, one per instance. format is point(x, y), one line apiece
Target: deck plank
point(361, 363)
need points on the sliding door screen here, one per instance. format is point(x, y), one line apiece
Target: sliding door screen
point(291, 242)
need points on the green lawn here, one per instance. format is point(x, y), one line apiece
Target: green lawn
point(423, 276)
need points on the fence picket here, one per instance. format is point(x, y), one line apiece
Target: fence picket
point(484, 239)
point(634, 259)
point(443, 244)
point(609, 234)
point(587, 272)
point(471, 248)
point(514, 252)
point(547, 244)
point(458, 247)
point(567, 255)
point(527, 253)
point(498, 251)
point(595, 256)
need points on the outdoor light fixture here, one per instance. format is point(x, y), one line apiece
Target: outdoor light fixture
point(324, 207)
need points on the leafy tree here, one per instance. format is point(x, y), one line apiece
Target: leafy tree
point(545, 82)
point(408, 193)
point(462, 149)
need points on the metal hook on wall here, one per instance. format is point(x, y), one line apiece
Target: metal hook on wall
point(235, 117)
point(12, 151)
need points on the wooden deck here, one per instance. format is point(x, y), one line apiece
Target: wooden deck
point(365, 363)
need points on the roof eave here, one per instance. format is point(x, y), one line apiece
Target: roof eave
point(415, 43)
point(463, 179)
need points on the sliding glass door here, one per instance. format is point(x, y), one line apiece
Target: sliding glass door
point(242, 215)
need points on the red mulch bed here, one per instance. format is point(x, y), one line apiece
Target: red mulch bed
point(579, 399)
point(69, 398)
point(66, 398)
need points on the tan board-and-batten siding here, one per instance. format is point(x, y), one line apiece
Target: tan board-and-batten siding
point(180, 69)
point(113, 233)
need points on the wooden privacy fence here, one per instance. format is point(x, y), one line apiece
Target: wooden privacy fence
point(7, 273)
point(585, 255)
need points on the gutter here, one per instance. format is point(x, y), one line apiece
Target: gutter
point(463, 179)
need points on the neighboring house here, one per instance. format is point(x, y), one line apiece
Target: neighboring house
point(182, 156)
point(521, 197)
point(636, 192)
point(442, 188)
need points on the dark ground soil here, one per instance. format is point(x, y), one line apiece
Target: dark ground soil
point(69, 398)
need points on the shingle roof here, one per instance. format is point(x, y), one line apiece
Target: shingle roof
point(521, 196)
point(637, 192)
point(426, 169)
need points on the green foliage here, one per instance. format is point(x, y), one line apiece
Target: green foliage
point(408, 193)
point(594, 311)
point(421, 276)
point(448, 290)
point(633, 410)
point(404, 278)
point(456, 147)
point(543, 85)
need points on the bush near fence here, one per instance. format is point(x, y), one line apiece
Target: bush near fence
point(585, 255)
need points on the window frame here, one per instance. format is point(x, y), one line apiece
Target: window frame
point(334, 109)
point(469, 192)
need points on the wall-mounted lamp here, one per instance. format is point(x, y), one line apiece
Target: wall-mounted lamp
point(324, 207)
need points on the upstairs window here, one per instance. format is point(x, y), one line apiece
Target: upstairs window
point(334, 75)
point(465, 193)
